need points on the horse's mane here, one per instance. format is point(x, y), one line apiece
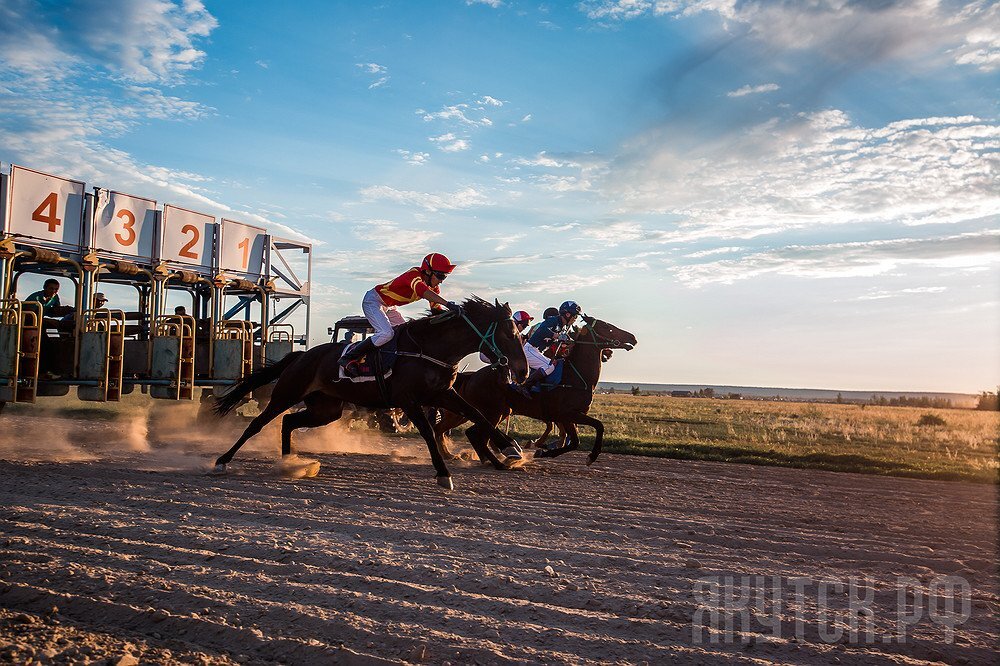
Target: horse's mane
point(474, 307)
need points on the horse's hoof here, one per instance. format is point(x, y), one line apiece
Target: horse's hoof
point(218, 470)
point(293, 467)
point(445, 482)
point(590, 461)
point(513, 452)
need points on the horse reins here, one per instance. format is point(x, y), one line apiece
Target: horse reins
point(488, 338)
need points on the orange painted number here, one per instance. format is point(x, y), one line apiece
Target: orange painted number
point(245, 246)
point(186, 250)
point(48, 204)
point(128, 222)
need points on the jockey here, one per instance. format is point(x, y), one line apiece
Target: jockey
point(541, 366)
point(380, 302)
point(549, 312)
point(548, 331)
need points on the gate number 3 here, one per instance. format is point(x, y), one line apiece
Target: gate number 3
point(128, 222)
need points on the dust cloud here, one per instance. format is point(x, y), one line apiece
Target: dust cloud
point(169, 436)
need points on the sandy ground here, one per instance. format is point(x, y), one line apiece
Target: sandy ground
point(116, 548)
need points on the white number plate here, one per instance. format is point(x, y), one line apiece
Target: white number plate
point(124, 224)
point(242, 248)
point(45, 207)
point(187, 238)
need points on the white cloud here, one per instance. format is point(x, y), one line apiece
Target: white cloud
point(379, 72)
point(753, 90)
point(504, 242)
point(614, 233)
point(526, 118)
point(145, 40)
point(461, 199)
point(140, 41)
point(881, 294)
point(486, 100)
point(841, 30)
point(456, 112)
point(845, 260)
point(716, 250)
point(413, 157)
point(490, 3)
point(813, 170)
point(450, 143)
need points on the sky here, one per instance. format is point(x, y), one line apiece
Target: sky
point(766, 193)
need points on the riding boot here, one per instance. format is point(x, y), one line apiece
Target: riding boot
point(351, 355)
point(534, 378)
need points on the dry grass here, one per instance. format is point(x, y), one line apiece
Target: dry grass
point(875, 440)
point(878, 440)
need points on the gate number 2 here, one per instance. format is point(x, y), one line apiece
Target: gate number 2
point(186, 250)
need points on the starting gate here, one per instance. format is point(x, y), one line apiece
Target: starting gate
point(244, 284)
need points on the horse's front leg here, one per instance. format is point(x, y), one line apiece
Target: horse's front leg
point(598, 436)
point(419, 419)
point(453, 402)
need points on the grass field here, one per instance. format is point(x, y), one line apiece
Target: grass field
point(848, 438)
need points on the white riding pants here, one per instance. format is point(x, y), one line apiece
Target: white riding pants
point(383, 318)
point(536, 359)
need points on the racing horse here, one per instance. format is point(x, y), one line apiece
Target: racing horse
point(566, 404)
point(428, 352)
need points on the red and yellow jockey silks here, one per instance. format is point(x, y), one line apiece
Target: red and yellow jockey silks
point(406, 288)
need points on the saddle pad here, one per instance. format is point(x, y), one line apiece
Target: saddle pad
point(367, 373)
point(364, 377)
point(552, 380)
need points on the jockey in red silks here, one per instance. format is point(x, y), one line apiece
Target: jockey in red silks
point(379, 304)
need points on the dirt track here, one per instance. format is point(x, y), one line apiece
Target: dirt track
point(371, 562)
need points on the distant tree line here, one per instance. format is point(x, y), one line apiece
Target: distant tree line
point(989, 401)
point(910, 401)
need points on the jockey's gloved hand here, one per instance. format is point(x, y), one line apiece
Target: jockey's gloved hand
point(454, 307)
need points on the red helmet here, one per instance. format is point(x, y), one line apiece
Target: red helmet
point(522, 317)
point(437, 262)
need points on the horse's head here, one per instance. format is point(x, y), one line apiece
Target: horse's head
point(607, 335)
point(502, 343)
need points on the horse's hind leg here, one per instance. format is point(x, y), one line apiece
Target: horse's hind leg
point(448, 421)
point(537, 444)
point(320, 410)
point(270, 413)
point(282, 398)
point(569, 433)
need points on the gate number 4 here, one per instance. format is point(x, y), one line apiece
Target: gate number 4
point(46, 212)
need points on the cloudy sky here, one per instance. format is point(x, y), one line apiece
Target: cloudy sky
point(767, 193)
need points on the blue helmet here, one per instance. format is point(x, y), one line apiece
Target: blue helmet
point(570, 308)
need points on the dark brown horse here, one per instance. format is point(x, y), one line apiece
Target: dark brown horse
point(429, 351)
point(566, 404)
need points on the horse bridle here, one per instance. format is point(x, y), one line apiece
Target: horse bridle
point(603, 341)
point(487, 339)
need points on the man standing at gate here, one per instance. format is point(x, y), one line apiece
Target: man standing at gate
point(48, 297)
point(380, 302)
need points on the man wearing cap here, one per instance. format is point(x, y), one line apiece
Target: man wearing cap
point(380, 303)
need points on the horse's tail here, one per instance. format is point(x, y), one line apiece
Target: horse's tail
point(270, 372)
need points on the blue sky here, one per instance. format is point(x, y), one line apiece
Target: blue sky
point(765, 193)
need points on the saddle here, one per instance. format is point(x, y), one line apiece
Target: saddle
point(371, 366)
point(549, 382)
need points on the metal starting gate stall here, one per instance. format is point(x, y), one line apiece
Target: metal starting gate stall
point(243, 284)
